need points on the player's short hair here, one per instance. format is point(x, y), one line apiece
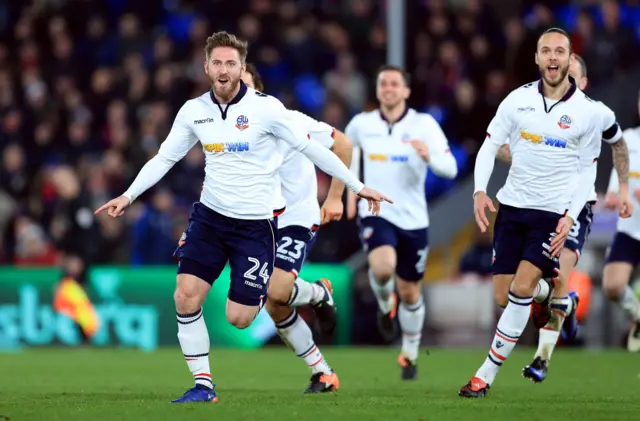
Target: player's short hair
point(583, 65)
point(558, 31)
point(257, 79)
point(225, 39)
point(389, 67)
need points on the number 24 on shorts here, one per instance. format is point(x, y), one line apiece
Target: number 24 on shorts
point(264, 273)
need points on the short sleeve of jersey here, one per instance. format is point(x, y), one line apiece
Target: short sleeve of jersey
point(181, 138)
point(500, 126)
point(319, 131)
point(351, 131)
point(611, 131)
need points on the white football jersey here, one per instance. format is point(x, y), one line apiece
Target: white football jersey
point(549, 140)
point(393, 166)
point(611, 133)
point(299, 185)
point(241, 142)
point(630, 226)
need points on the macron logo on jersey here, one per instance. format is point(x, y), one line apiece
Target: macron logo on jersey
point(543, 140)
point(204, 120)
point(226, 147)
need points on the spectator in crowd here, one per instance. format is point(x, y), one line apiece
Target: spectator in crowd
point(89, 89)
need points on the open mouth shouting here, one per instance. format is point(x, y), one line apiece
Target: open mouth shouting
point(553, 71)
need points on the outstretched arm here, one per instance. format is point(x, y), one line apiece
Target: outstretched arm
point(180, 139)
point(332, 208)
point(150, 174)
point(293, 133)
point(343, 148)
point(296, 137)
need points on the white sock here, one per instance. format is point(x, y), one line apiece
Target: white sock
point(304, 292)
point(194, 341)
point(383, 293)
point(547, 342)
point(549, 334)
point(629, 303)
point(510, 326)
point(295, 333)
point(411, 317)
point(542, 291)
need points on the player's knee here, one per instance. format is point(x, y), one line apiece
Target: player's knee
point(185, 303)
point(501, 284)
point(277, 312)
point(241, 315)
point(279, 294)
point(188, 296)
point(568, 260)
point(274, 308)
point(409, 292)
point(612, 288)
point(240, 322)
point(280, 286)
point(526, 279)
point(383, 272)
point(241, 319)
point(409, 296)
point(271, 306)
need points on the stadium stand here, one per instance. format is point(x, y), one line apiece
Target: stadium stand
point(88, 90)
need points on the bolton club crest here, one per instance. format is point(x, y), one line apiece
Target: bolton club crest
point(242, 122)
point(565, 122)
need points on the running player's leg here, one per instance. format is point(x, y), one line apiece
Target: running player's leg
point(413, 248)
point(297, 335)
point(569, 257)
point(508, 246)
point(551, 294)
point(562, 305)
point(538, 253)
point(531, 245)
point(284, 288)
point(380, 240)
point(622, 258)
point(252, 246)
point(289, 289)
point(202, 258)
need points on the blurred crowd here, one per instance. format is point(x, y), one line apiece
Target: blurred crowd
point(89, 88)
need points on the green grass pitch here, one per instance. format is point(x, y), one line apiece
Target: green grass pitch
point(266, 384)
